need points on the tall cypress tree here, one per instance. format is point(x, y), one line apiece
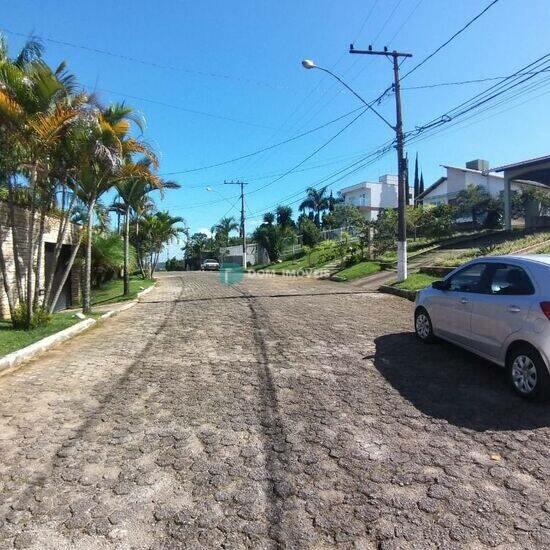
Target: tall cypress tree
point(416, 180)
point(421, 186)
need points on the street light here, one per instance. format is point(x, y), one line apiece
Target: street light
point(403, 191)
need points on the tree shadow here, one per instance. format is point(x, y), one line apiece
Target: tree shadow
point(444, 381)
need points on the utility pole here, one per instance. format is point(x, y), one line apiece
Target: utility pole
point(402, 191)
point(243, 226)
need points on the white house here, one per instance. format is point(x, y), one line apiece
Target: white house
point(371, 197)
point(476, 173)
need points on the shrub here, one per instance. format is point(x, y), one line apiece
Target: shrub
point(108, 257)
point(40, 318)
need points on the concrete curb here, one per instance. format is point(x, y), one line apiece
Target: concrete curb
point(13, 360)
point(9, 362)
point(408, 294)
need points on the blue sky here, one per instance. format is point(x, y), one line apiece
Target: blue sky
point(240, 62)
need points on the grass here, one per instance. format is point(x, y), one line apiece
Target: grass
point(517, 242)
point(12, 340)
point(307, 261)
point(416, 281)
point(112, 292)
point(361, 269)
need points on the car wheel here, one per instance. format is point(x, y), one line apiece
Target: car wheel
point(528, 373)
point(423, 325)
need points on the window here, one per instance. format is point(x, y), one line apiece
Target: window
point(470, 279)
point(511, 280)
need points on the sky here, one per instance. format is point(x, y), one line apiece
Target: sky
point(216, 80)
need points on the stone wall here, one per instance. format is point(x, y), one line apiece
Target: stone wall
point(21, 226)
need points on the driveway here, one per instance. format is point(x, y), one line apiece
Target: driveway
point(280, 413)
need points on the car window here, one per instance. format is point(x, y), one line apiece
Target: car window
point(470, 279)
point(511, 280)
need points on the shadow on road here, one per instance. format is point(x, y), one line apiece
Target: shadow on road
point(444, 381)
point(247, 296)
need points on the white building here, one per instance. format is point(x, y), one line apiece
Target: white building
point(371, 197)
point(476, 173)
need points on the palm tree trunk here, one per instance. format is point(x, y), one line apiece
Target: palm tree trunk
point(15, 241)
point(66, 273)
point(127, 252)
point(63, 226)
point(87, 290)
point(30, 250)
point(4, 272)
point(40, 256)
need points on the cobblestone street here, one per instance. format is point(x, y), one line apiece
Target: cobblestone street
point(279, 413)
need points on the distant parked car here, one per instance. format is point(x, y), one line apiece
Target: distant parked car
point(498, 307)
point(210, 265)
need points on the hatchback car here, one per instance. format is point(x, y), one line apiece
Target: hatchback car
point(210, 265)
point(497, 307)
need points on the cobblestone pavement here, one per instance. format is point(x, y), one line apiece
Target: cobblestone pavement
point(282, 413)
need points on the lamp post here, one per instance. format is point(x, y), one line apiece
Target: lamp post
point(403, 192)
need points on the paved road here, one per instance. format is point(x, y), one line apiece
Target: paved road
point(282, 413)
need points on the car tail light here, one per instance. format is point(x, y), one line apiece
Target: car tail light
point(545, 306)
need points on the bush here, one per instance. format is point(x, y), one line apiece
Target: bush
point(108, 257)
point(40, 318)
point(310, 232)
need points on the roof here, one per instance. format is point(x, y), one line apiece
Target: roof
point(363, 185)
point(431, 188)
point(490, 172)
point(522, 164)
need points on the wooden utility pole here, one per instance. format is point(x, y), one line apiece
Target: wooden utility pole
point(403, 192)
point(243, 227)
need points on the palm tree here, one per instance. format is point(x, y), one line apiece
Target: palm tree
point(284, 216)
point(106, 149)
point(316, 201)
point(269, 218)
point(37, 108)
point(224, 227)
point(133, 193)
point(157, 230)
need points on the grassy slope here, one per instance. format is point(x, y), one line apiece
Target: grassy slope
point(311, 261)
point(416, 281)
point(361, 269)
point(517, 242)
point(12, 340)
point(111, 292)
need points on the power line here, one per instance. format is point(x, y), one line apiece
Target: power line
point(448, 41)
point(460, 82)
point(330, 140)
point(294, 138)
point(184, 109)
point(144, 62)
point(368, 106)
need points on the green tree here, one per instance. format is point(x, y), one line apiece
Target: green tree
point(317, 201)
point(284, 217)
point(474, 201)
point(310, 232)
point(224, 227)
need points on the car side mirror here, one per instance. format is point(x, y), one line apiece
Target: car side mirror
point(440, 285)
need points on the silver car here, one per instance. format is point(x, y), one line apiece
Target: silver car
point(497, 307)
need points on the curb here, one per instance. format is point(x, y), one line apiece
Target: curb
point(13, 360)
point(408, 294)
point(9, 362)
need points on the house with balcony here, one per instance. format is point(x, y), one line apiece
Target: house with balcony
point(372, 197)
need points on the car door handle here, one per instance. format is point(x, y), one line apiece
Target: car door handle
point(514, 309)
point(464, 301)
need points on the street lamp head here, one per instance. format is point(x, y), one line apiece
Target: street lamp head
point(209, 188)
point(308, 64)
